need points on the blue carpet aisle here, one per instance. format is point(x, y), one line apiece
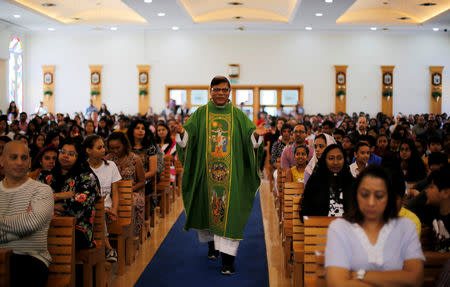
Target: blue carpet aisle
point(182, 261)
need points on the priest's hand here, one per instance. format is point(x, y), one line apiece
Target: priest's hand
point(261, 130)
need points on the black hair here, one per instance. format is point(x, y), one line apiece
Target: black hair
point(36, 162)
point(415, 170)
point(396, 136)
point(328, 123)
point(435, 139)
point(217, 80)
point(322, 167)
point(286, 126)
point(440, 177)
point(120, 136)
point(339, 132)
point(360, 144)
point(89, 142)
point(302, 146)
point(369, 139)
point(436, 158)
point(168, 137)
point(148, 137)
point(51, 135)
point(354, 214)
point(5, 139)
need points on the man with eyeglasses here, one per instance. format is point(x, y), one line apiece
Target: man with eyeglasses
point(220, 149)
point(288, 155)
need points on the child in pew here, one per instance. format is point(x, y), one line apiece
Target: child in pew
point(108, 176)
point(297, 172)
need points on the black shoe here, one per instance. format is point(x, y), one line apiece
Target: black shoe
point(227, 270)
point(212, 252)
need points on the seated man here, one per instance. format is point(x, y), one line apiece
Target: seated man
point(432, 206)
point(26, 209)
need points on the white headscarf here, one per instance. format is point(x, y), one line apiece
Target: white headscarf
point(312, 163)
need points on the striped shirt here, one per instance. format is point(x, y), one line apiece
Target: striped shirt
point(26, 233)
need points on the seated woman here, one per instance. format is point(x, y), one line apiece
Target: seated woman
point(320, 143)
point(36, 145)
point(164, 140)
point(382, 147)
point(412, 165)
point(44, 161)
point(371, 245)
point(297, 172)
point(327, 192)
point(76, 190)
point(130, 168)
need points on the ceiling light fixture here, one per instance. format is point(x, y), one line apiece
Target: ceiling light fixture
point(148, 1)
point(161, 14)
point(319, 14)
point(328, 1)
point(235, 3)
point(240, 28)
point(114, 28)
point(403, 18)
point(308, 28)
point(16, 16)
point(51, 29)
point(175, 28)
point(385, 29)
point(237, 17)
point(427, 4)
point(48, 4)
point(373, 28)
point(435, 29)
point(76, 18)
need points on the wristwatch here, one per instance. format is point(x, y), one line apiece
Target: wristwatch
point(360, 274)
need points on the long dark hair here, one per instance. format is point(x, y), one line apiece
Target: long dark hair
point(89, 142)
point(148, 137)
point(322, 167)
point(354, 214)
point(168, 138)
point(120, 136)
point(415, 170)
point(36, 161)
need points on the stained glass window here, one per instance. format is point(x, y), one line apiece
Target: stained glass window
point(15, 72)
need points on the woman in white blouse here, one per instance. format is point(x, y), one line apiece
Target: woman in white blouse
point(371, 245)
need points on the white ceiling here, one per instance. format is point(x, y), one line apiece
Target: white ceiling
point(176, 14)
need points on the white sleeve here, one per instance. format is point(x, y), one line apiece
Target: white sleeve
point(256, 144)
point(182, 142)
point(115, 172)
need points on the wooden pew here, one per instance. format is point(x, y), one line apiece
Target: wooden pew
point(95, 257)
point(61, 245)
point(163, 186)
point(316, 228)
point(179, 176)
point(433, 266)
point(290, 190)
point(298, 243)
point(320, 270)
point(121, 231)
point(4, 267)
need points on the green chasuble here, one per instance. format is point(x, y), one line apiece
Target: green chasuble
point(220, 175)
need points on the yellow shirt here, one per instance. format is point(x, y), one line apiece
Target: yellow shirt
point(409, 214)
point(296, 175)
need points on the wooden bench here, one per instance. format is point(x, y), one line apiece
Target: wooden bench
point(434, 263)
point(61, 245)
point(320, 280)
point(5, 255)
point(95, 257)
point(290, 190)
point(298, 242)
point(121, 231)
point(179, 177)
point(316, 228)
point(163, 188)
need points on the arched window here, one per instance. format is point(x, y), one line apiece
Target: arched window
point(15, 72)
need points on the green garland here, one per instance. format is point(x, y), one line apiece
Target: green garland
point(95, 93)
point(387, 94)
point(340, 93)
point(48, 92)
point(143, 92)
point(436, 95)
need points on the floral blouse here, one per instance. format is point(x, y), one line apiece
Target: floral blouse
point(82, 205)
point(127, 169)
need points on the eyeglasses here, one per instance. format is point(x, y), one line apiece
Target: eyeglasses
point(225, 90)
point(69, 153)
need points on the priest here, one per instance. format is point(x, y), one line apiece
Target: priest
point(219, 147)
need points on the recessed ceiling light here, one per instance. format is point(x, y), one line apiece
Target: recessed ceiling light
point(373, 28)
point(403, 18)
point(48, 4)
point(148, 1)
point(51, 29)
point(114, 28)
point(308, 28)
point(235, 3)
point(16, 16)
point(240, 28)
point(237, 17)
point(161, 14)
point(427, 4)
point(385, 29)
point(385, 3)
point(435, 29)
point(319, 14)
point(328, 1)
point(175, 28)
point(76, 18)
